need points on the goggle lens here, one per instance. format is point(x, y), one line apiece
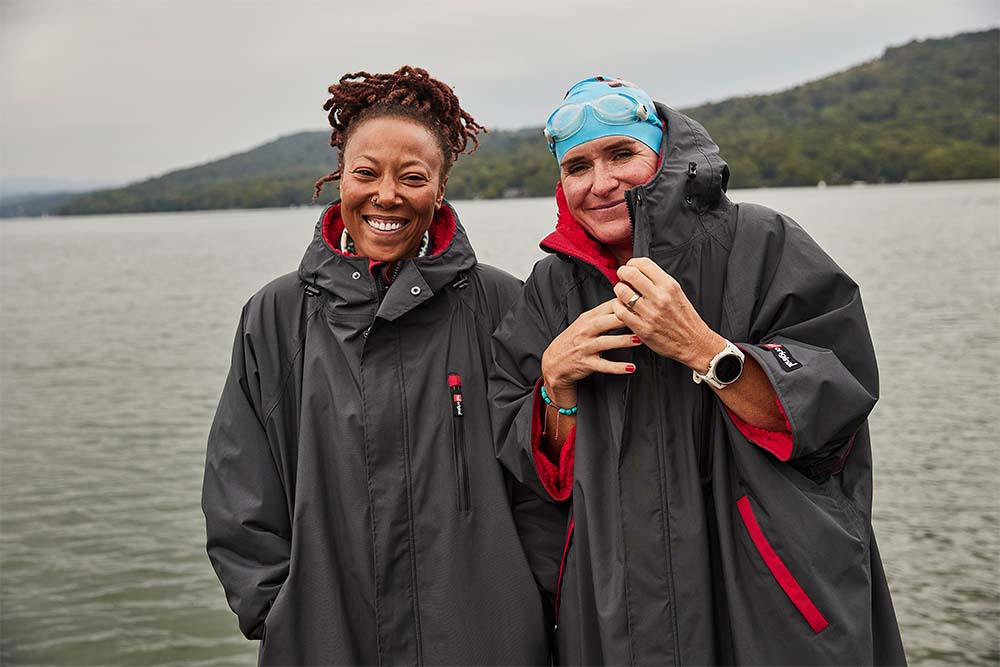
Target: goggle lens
point(610, 110)
point(616, 109)
point(566, 121)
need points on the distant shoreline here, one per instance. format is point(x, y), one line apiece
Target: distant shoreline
point(459, 202)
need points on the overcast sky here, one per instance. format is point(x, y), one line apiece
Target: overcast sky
point(97, 92)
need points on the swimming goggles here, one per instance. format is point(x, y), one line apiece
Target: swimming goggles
point(614, 109)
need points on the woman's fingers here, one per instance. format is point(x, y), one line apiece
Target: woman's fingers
point(602, 365)
point(616, 342)
point(626, 294)
point(596, 321)
point(576, 352)
point(600, 309)
point(629, 318)
point(647, 267)
point(602, 323)
point(667, 322)
point(637, 280)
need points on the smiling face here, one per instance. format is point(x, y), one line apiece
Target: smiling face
point(595, 176)
point(399, 162)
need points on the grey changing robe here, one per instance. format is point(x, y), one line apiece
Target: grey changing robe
point(690, 543)
point(354, 517)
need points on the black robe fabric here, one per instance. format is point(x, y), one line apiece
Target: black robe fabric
point(690, 543)
point(353, 516)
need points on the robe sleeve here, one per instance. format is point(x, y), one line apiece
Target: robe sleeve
point(243, 498)
point(518, 344)
point(541, 527)
point(807, 330)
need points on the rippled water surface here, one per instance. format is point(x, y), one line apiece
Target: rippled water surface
point(115, 339)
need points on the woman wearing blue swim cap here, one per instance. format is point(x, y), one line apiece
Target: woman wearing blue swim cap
point(692, 377)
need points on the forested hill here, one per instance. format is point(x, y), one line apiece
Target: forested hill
point(924, 111)
point(927, 110)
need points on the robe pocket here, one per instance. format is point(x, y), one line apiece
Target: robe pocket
point(460, 454)
point(779, 568)
point(461, 464)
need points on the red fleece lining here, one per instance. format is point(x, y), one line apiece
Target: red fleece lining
point(442, 230)
point(778, 569)
point(778, 443)
point(562, 565)
point(557, 479)
point(572, 239)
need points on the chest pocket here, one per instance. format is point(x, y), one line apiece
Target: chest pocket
point(460, 453)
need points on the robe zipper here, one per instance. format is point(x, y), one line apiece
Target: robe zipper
point(633, 198)
point(458, 441)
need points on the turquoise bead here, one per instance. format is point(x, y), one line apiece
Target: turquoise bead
point(563, 411)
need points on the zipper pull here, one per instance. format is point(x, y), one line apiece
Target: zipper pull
point(455, 385)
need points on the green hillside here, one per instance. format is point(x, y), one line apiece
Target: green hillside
point(278, 173)
point(927, 110)
point(924, 111)
point(33, 205)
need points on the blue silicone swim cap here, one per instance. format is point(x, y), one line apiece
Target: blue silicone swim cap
point(603, 107)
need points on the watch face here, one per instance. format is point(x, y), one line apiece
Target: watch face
point(728, 368)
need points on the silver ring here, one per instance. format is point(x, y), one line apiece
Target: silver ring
point(630, 304)
point(374, 200)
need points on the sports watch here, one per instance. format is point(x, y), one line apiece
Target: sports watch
point(724, 369)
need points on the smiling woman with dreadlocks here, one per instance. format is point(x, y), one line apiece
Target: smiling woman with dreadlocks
point(356, 513)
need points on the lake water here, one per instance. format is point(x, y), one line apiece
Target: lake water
point(115, 339)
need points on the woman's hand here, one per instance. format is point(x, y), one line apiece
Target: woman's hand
point(576, 352)
point(669, 325)
point(663, 317)
point(573, 355)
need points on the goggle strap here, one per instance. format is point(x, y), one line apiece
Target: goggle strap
point(549, 140)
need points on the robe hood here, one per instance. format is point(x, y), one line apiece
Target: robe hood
point(351, 278)
point(667, 211)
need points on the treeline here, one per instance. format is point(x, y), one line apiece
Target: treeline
point(279, 173)
point(924, 111)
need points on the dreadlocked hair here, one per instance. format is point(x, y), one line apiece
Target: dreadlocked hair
point(409, 92)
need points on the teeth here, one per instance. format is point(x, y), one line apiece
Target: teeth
point(383, 225)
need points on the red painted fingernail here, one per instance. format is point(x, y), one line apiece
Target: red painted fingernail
point(629, 368)
point(636, 340)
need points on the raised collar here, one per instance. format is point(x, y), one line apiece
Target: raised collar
point(570, 238)
point(679, 203)
point(350, 279)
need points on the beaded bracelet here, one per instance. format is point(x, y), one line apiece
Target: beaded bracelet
point(562, 411)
